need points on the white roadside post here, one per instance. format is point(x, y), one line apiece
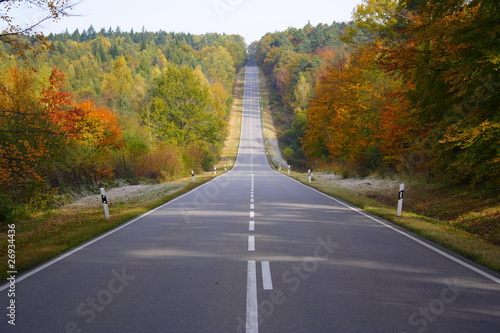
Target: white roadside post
point(192, 174)
point(215, 170)
point(309, 174)
point(400, 199)
point(105, 203)
point(289, 169)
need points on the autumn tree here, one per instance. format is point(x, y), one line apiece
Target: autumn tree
point(97, 133)
point(218, 65)
point(291, 61)
point(117, 86)
point(451, 67)
point(25, 133)
point(238, 52)
point(92, 120)
point(181, 113)
point(301, 95)
point(355, 121)
point(14, 29)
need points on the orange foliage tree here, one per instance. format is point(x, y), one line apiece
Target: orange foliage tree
point(26, 134)
point(441, 108)
point(448, 51)
point(92, 133)
point(345, 115)
point(45, 140)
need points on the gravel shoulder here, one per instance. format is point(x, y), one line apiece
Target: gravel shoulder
point(365, 185)
point(126, 194)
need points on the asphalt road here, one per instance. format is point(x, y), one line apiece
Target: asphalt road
point(254, 251)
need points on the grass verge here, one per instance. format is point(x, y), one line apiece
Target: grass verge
point(465, 221)
point(60, 230)
point(231, 144)
point(468, 245)
point(53, 232)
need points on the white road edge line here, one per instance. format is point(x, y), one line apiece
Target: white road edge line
point(401, 232)
point(252, 319)
point(29, 273)
point(251, 243)
point(266, 276)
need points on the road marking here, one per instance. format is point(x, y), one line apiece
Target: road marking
point(251, 243)
point(266, 276)
point(252, 206)
point(252, 214)
point(252, 324)
point(251, 226)
point(70, 252)
point(403, 233)
point(252, 199)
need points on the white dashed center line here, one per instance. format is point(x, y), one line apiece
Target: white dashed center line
point(266, 276)
point(251, 243)
point(252, 323)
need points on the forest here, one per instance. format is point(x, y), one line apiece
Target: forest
point(83, 109)
point(407, 87)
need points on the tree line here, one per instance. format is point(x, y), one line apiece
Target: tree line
point(292, 62)
point(412, 87)
point(83, 109)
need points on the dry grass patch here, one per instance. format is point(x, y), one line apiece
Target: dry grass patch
point(379, 197)
point(61, 229)
point(231, 145)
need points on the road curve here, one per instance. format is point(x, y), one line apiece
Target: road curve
point(255, 251)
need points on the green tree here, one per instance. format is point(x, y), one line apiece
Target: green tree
point(178, 113)
point(117, 86)
point(302, 95)
point(218, 64)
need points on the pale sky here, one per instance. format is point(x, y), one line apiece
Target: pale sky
point(250, 18)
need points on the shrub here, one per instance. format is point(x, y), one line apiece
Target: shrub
point(6, 211)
